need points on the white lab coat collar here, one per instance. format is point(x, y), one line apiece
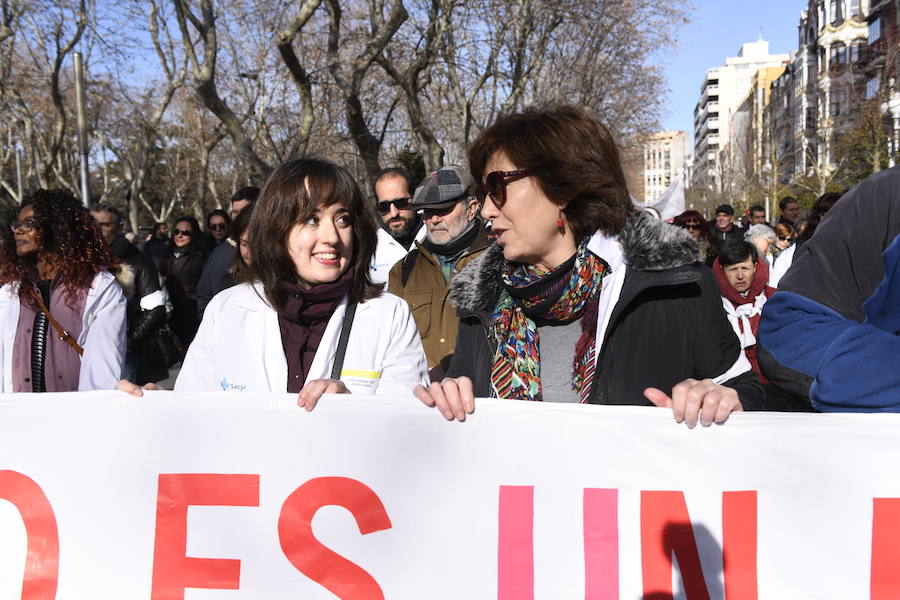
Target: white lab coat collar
point(609, 249)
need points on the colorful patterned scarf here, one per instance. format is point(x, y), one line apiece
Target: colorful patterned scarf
point(568, 292)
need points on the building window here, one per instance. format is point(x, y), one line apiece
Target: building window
point(872, 87)
point(838, 103)
point(857, 51)
point(875, 30)
point(854, 8)
point(834, 8)
point(838, 56)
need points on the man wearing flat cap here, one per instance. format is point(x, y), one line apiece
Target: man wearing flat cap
point(724, 228)
point(454, 236)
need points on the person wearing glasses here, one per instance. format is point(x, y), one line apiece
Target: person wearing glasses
point(187, 256)
point(217, 273)
point(62, 314)
point(217, 224)
point(401, 225)
point(146, 308)
point(455, 236)
point(583, 298)
point(311, 321)
point(696, 225)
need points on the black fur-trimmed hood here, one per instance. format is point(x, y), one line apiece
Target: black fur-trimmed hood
point(648, 244)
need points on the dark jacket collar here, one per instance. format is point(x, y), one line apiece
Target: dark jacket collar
point(649, 246)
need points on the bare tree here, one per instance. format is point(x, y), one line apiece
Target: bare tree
point(299, 74)
point(33, 73)
point(202, 55)
point(348, 75)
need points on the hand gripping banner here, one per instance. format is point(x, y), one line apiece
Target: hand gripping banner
point(245, 496)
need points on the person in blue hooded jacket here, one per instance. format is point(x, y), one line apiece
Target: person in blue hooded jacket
point(835, 321)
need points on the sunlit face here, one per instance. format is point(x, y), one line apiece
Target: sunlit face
point(526, 226)
point(109, 224)
point(740, 275)
point(218, 228)
point(791, 211)
point(723, 219)
point(757, 217)
point(237, 206)
point(24, 232)
point(762, 244)
point(322, 246)
point(784, 242)
point(445, 225)
point(184, 231)
point(244, 247)
point(399, 222)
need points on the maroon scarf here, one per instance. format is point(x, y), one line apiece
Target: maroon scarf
point(302, 321)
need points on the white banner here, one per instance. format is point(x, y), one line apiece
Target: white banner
point(245, 496)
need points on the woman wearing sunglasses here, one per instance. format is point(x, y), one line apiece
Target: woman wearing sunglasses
point(62, 314)
point(583, 298)
point(218, 222)
point(696, 225)
point(186, 258)
point(311, 321)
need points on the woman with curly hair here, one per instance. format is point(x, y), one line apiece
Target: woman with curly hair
point(62, 314)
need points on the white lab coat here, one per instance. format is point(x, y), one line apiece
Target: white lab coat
point(782, 264)
point(102, 333)
point(387, 253)
point(238, 347)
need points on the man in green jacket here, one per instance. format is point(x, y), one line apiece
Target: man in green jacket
point(454, 237)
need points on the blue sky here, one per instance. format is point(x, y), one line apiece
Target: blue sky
point(716, 31)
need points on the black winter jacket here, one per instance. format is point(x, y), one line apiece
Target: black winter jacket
point(138, 278)
point(668, 324)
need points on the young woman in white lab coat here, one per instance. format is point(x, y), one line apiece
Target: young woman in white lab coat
point(311, 322)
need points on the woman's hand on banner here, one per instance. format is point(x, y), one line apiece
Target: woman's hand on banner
point(694, 400)
point(314, 389)
point(133, 389)
point(453, 397)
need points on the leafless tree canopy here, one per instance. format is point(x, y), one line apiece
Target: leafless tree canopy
point(189, 99)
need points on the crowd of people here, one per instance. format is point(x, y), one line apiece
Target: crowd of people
point(526, 274)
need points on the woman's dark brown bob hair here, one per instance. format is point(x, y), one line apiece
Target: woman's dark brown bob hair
point(294, 192)
point(575, 160)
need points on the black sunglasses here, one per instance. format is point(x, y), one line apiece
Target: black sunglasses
point(401, 204)
point(786, 239)
point(185, 232)
point(495, 184)
point(218, 226)
point(692, 226)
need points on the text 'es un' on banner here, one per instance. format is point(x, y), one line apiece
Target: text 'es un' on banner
point(223, 495)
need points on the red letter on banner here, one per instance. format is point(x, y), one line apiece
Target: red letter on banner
point(884, 581)
point(601, 544)
point(172, 570)
point(327, 568)
point(515, 552)
point(739, 545)
point(666, 528)
point(42, 560)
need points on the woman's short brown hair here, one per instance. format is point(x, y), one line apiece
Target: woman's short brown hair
point(294, 192)
point(783, 230)
point(575, 159)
